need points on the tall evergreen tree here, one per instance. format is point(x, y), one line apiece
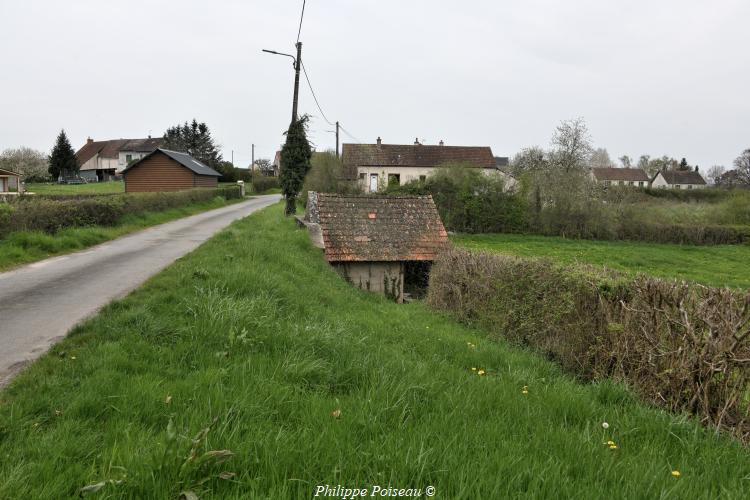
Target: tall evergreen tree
point(295, 162)
point(62, 160)
point(194, 139)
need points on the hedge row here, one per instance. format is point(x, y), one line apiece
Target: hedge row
point(262, 183)
point(50, 216)
point(681, 346)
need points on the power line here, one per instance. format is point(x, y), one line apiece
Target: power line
point(349, 134)
point(300, 20)
point(304, 70)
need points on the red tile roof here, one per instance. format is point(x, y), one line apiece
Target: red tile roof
point(112, 148)
point(380, 228)
point(413, 155)
point(620, 174)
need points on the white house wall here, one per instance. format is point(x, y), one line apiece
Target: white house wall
point(408, 174)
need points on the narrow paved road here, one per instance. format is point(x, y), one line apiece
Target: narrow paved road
point(41, 302)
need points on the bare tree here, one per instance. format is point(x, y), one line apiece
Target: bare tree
point(626, 161)
point(600, 159)
point(742, 165)
point(264, 165)
point(30, 163)
point(571, 144)
point(715, 173)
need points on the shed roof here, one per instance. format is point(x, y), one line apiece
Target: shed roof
point(183, 159)
point(682, 177)
point(9, 172)
point(620, 174)
point(380, 228)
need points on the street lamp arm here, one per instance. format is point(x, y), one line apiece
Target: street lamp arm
point(281, 54)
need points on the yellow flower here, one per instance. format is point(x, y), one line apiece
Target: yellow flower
point(167, 400)
point(610, 443)
point(73, 357)
point(480, 372)
point(676, 473)
point(473, 368)
point(613, 447)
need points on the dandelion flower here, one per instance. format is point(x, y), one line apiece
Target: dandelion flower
point(73, 357)
point(610, 443)
point(473, 368)
point(480, 372)
point(613, 447)
point(605, 425)
point(336, 413)
point(167, 400)
point(676, 473)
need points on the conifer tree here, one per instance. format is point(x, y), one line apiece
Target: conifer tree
point(62, 160)
point(194, 139)
point(295, 162)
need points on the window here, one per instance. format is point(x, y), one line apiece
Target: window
point(394, 179)
point(640, 184)
point(690, 186)
point(128, 158)
point(422, 178)
point(607, 183)
point(362, 177)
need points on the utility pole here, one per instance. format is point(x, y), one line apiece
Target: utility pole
point(297, 64)
point(252, 164)
point(337, 139)
point(233, 157)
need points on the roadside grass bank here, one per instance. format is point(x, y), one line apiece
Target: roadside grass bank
point(24, 247)
point(250, 369)
point(722, 265)
point(44, 188)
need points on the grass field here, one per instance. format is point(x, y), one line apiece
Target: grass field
point(24, 247)
point(723, 265)
point(249, 369)
point(113, 187)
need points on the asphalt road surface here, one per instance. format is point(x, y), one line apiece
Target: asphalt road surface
point(41, 302)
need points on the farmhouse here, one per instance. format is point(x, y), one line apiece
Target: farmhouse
point(374, 166)
point(164, 170)
point(620, 176)
point(105, 160)
point(377, 243)
point(678, 179)
point(10, 182)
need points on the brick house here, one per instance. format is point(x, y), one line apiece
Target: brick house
point(383, 244)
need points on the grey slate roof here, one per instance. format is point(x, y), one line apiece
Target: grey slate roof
point(183, 159)
point(682, 177)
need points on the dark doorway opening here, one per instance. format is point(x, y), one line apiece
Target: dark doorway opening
point(416, 278)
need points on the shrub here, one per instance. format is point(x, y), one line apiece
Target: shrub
point(52, 215)
point(681, 346)
point(263, 183)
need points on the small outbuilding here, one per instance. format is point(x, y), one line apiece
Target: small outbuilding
point(164, 170)
point(383, 244)
point(10, 182)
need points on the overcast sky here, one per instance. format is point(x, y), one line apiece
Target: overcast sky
point(649, 77)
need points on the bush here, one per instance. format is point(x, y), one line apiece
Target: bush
point(326, 175)
point(52, 215)
point(263, 183)
point(681, 346)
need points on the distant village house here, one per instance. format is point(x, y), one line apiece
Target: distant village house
point(375, 166)
point(611, 176)
point(678, 179)
point(101, 161)
point(383, 244)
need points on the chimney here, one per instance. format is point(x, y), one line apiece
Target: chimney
point(379, 141)
point(441, 142)
point(696, 168)
point(416, 141)
point(149, 136)
point(89, 140)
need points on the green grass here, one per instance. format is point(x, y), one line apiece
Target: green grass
point(114, 187)
point(721, 265)
point(255, 336)
point(24, 247)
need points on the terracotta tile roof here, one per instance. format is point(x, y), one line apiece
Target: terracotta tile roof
point(413, 155)
point(380, 228)
point(620, 174)
point(112, 148)
point(682, 177)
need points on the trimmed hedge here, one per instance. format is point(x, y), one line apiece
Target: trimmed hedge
point(50, 216)
point(682, 346)
point(263, 183)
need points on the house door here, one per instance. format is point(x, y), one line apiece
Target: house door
point(373, 183)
